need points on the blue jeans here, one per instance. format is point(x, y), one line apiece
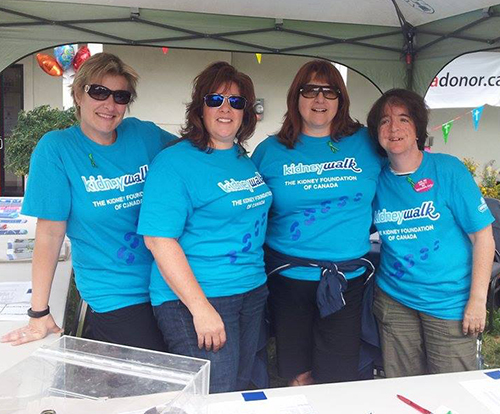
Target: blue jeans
point(231, 366)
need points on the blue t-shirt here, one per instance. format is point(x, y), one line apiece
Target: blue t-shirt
point(97, 190)
point(426, 254)
point(216, 205)
point(322, 198)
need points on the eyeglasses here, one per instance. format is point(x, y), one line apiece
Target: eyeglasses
point(215, 100)
point(101, 93)
point(312, 91)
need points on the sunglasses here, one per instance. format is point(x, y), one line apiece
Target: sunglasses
point(312, 91)
point(101, 93)
point(215, 100)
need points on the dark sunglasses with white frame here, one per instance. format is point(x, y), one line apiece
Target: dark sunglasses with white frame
point(216, 100)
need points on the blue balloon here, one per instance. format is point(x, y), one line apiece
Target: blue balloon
point(64, 55)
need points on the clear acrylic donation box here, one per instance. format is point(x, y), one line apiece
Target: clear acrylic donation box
point(79, 376)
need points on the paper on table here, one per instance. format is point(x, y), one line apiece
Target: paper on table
point(486, 391)
point(14, 312)
point(444, 410)
point(12, 292)
point(292, 404)
point(15, 298)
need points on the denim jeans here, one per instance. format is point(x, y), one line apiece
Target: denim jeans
point(231, 366)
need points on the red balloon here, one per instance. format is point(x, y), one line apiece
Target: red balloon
point(49, 64)
point(81, 56)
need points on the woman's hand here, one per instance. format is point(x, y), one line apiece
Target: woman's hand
point(48, 240)
point(474, 317)
point(37, 328)
point(483, 249)
point(209, 328)
point(176, 271)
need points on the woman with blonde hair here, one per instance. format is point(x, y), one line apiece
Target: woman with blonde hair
point(86, 182)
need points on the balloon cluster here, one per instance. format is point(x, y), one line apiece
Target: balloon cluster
point(66, 56)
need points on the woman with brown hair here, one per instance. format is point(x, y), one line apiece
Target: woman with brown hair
point(437, 246)
point(204, 220)
point(322, 170)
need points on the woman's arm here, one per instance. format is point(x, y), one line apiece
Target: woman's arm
point(482, 258)
point(176, 271)
point(48, 240)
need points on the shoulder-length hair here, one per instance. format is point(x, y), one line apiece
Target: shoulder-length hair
point(95, 68)
point(342, 124)
point(417, 110)
point(208, 81)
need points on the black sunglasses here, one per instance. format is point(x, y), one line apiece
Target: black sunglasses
point(312, 91)
point(101, 93)
point(215, 100)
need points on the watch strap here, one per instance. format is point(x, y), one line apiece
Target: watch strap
point(38, 314)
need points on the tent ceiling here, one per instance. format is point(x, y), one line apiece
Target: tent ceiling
point(378, 50)
point(374, 12)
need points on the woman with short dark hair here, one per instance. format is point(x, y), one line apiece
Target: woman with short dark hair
point(400, 97)
point(204, 218)
point(322, 169)
point(437, 246)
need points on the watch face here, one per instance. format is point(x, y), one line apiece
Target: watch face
point(421, 5)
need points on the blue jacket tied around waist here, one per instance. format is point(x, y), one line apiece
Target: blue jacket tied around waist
point(330, 299)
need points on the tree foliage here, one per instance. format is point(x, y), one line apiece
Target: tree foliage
point(31, 126)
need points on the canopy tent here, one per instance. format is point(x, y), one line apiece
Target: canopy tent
point(395, 43)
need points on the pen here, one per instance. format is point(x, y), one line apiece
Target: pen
point(412, 404)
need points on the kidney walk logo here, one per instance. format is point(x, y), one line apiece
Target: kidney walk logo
point(249, 184)
point(345, 164)
point(99, 183)
point(425, 210)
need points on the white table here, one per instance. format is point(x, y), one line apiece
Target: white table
point(379, 396)
point(19, 272)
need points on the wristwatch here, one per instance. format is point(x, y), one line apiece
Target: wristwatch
point(38, 314)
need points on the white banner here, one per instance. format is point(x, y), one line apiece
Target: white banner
point(468, 82)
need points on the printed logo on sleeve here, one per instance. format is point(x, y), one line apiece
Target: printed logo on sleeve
point(483, 206)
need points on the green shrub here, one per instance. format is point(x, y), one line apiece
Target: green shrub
point(31, 126)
